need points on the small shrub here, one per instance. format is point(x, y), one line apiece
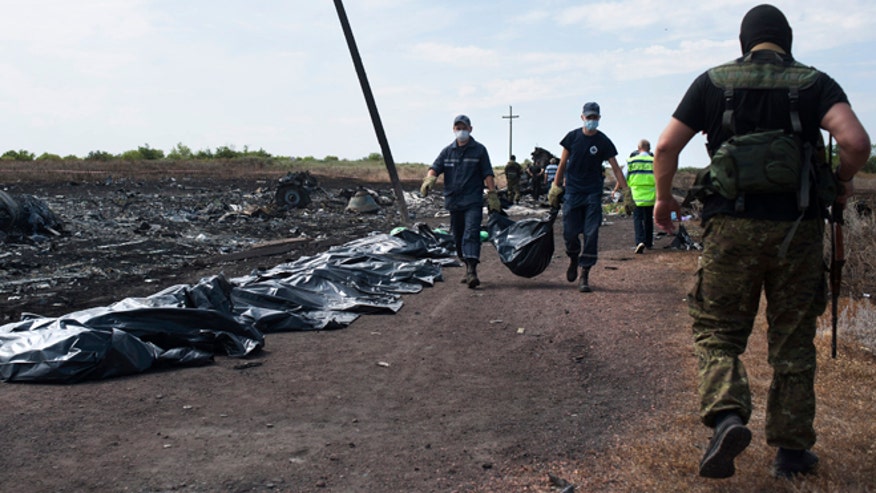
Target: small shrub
point(99, 156)
point(204, 154)
point(331, 158)
point(72, 157)
point(149, 153)
point(226, 152)
point(855, 320)
point(260, 154)
point(48, 157)
point(21, 155)
point(374, 156)
point(132, 155)
point(180, 153)
point(859, 233)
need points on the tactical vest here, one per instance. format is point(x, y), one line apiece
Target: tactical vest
point(772, 161)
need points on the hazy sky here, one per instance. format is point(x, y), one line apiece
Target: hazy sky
point(112, 75)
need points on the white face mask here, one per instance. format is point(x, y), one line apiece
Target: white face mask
point(462, 135)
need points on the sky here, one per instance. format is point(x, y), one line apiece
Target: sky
point(114, 75)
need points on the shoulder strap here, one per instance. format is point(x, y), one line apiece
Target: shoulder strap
point(727, 120)
point(743, 73)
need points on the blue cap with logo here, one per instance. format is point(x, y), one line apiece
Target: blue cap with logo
point(463, 119)
point(590, 109)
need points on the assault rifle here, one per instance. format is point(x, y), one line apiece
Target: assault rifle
point(837, 257)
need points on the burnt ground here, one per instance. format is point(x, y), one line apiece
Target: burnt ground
point(493, 389)
point(140, 235)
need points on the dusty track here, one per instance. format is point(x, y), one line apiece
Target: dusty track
point(490, 389)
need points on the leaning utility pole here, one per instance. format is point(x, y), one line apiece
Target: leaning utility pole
point(375, 116)
point(511, 116)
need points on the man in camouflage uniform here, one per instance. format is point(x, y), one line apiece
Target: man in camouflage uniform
point(512, 176)
point(751, 245)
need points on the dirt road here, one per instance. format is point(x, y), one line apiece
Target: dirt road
point(495, 389)
point(454, 392)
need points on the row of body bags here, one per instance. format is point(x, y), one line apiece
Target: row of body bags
point(187, 325)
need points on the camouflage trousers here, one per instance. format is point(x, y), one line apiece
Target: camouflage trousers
point(740, 259)
point(514, 190)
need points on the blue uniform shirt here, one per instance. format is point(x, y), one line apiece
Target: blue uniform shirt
point(583, 175)
point(464, 168)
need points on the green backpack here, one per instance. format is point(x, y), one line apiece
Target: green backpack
point(760, 162)
point(771, 161)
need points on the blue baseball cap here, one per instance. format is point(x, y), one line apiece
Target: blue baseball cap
point(463, 119)
point(590, 109)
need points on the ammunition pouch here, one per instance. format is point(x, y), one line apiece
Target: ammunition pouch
point(761, 162)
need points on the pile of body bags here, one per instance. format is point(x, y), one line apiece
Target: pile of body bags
point(187, 325)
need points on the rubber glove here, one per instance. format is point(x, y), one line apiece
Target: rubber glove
point(554, 195)
point(493, 204)
point(427, 185)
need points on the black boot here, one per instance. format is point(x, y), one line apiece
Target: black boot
point(584, 281)
point(572, 270)
point(471, 273)
point(790, 462)
point(730, 439)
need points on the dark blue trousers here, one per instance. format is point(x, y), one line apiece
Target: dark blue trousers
point(582, 216)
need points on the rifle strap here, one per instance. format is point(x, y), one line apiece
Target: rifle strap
point(786, 243)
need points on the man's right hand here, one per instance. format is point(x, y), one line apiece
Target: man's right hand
point(663, 210)
point(554, 195)
point(427, 185)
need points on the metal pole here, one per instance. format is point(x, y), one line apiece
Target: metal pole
point(375, 115)
point(511, 116)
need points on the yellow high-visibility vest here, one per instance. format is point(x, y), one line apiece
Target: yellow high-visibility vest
point(640, 178)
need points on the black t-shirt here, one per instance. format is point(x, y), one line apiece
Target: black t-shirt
point(584, 172)
point(702, 110)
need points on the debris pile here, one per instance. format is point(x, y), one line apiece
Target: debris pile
point(26, 216)
point(148, 233)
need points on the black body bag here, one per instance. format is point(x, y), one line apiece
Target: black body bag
point(524, 246)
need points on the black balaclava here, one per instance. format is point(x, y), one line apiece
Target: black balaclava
point(765, 23)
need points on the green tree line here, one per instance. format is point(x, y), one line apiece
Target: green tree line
point(180, 152)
